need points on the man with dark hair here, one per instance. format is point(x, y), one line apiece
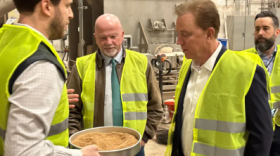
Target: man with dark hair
point(34, 107)
point(266, 32)
point(220, 109)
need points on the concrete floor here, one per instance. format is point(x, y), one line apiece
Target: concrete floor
point(152, 148)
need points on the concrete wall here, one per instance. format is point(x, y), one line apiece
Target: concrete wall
point(132, 11)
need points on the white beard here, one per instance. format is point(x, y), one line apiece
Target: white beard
point(110, 53)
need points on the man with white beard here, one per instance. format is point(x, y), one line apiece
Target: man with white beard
point(118, 87)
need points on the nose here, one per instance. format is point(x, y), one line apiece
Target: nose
point(109, 41)
point(71, 15)
point(261, 32)
point(179, 40)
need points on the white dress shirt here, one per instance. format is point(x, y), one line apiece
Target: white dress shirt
point(36, 95)
point(108, 116)
point(198, 78)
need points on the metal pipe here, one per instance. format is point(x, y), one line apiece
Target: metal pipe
point(81, 26)
point(6, 6)
point(249, 7)
point(237, 7)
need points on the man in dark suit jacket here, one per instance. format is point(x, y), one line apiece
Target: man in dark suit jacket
point(198, 25)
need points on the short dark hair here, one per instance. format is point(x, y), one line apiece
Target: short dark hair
point(28, 6)
point(205, 12)
point(271, 15)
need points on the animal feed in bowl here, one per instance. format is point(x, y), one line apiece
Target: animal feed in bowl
point(106, 141)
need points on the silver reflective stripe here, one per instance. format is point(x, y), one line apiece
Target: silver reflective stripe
point(215, 151)
point(275, 89)
point(135, 115)
point(135, 97)
point(2, 133)
point(221, 126)
point(58, 128)
point(276, 105)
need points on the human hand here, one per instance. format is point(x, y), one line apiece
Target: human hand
point(72, 97)
point(142, 143)
point(90, 150)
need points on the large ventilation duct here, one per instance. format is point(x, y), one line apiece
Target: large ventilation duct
point(6, 6)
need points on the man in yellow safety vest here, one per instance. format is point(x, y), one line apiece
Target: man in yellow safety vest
point(117, 86)
point(221, 100)
point(266, 32)
point(34, 108)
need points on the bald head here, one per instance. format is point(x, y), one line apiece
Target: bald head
point(109, 34)
point(107, 21)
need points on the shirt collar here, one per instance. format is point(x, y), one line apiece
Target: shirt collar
point(118, 58)
point(209, 64)
point(264, 55)
point(25, 25)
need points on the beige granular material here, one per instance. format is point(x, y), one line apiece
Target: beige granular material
point(106, 141)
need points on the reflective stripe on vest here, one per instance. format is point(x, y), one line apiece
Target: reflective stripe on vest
point(134, 96)
point(276, 105)
point(221, 126)
point(54, 130)
point(204, 149)
point(58, 128)
point(2, 133)
point(220, 119)
point(11, 57)
point(275, 89)
point(135, 115)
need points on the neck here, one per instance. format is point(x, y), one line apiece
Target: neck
point(35, 23)
point(210, 50)
point(269, 51)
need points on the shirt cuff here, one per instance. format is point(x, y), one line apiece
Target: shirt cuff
point(145, 137)
point(59, 150)
point(75, 152)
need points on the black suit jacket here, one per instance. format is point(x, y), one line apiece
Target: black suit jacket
point(258, 116)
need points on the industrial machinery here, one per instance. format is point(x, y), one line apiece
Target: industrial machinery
point(170, 49)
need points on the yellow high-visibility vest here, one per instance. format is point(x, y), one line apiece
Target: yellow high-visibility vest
point(133, 89)
point(17, 44)
point(220, 119)
point(274, 82)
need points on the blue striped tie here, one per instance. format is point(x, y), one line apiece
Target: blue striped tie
point(116, 97)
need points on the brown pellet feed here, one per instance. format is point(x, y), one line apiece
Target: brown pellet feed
point(106, 141)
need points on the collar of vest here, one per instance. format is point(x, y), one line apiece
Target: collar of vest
point(100, 60)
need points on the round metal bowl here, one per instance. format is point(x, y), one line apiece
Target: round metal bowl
point(130, 151)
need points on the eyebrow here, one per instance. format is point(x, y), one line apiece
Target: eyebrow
point(108, 35)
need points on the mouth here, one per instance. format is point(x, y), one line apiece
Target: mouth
point(261, 39)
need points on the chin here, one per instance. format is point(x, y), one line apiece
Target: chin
point(188, 56)
point(110, 54)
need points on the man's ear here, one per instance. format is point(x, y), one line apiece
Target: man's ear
point(94, 36)
point(277, 32)
point(210, 33)
point(46, 6)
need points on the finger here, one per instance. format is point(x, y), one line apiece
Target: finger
point(71, 96)
point(70, 91)
point(71, 106)
point(73, 100)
